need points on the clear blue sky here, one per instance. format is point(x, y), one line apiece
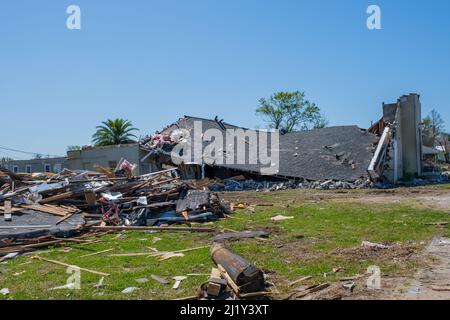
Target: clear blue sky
point(154, 61)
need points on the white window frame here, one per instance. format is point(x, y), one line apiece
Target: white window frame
point(26, 168)
point(15, 169)
point(49, 166)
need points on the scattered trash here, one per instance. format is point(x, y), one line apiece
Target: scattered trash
point(129, 290)
point(4, 291)
point(142, 280)
point(8, 256)
point(156, 239)
point(178, 280)
point(349, 285)
point(373, 245)
point(303, 292)
point(159, 279)
point(414, 290)
point(280, 218)
point(69, 286)
point(168, 255)
point(100, 283)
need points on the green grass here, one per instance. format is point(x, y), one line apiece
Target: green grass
point(322, 235)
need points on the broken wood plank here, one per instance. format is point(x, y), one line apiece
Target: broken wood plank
point(159, 279)
point(64, 218)
point(69, 265)
point(299, 280)
point(8, 210)
point(255, 294)
point(438, 224)
point(227, 277)
point(96, 253)
point(57, 197)
point(440, 288)
point(46, 209)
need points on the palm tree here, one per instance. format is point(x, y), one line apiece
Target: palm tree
point(112, 132)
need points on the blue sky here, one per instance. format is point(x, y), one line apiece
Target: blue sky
point(154, 61)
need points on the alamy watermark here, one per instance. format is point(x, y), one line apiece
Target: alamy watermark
point(73, 21)
point(374, 20)
point(374, 281)
point(228, 147)
point(73, 282)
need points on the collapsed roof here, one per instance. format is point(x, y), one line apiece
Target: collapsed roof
point(336, 153)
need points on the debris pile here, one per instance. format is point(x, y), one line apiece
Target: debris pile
point(63, 204)
point(267, 185)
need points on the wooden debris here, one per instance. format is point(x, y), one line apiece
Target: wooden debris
point(299, 280)
point(67, 216)
point(8, 210)
point(69, 265)
point(441, 288)
point(96, 253)
point(227, 277)
point(159, 279)
point(161, 229)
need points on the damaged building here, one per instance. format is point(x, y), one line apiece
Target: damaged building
point(399, 152)
point(335, 153)
point(389, 151)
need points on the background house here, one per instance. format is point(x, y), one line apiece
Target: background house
point(37, 165)
point(107, 156)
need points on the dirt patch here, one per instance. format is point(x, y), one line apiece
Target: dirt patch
point(298, 251)
point(395, 253)
point(435, 274)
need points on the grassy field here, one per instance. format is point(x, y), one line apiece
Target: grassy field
point(325, 233)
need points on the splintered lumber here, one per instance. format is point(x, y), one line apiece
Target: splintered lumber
point(8, 210)
point(96, 253)
point(67, 216)
point(443, 288)
point(46, 209)
point(70, 265)
point(2, 209)
point(254, 294)
point(159, 279)
point(146, 228)
point(299, 280)
point(227, 277)
point(57, 197)
point(245, 275)
point(310, 290)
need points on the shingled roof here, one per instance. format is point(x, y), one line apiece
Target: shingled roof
point(337, 153)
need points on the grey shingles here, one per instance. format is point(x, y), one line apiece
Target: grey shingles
point(337, 153)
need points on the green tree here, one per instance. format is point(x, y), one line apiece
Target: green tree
point(73, 148)
point(290, 111)
point(434, 123)
point(112, 132)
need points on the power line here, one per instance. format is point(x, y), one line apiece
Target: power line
point(26, 152)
